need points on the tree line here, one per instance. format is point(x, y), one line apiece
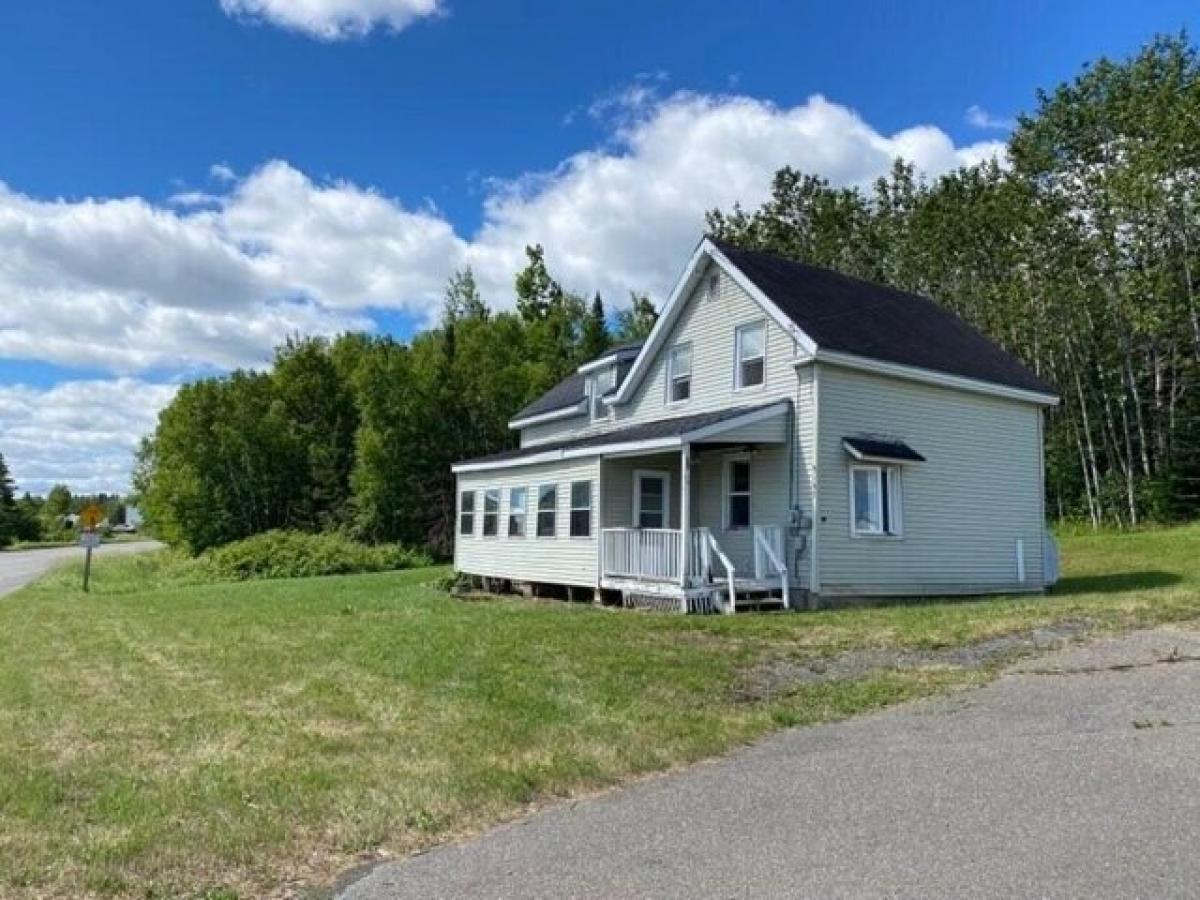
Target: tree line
point(32, 518)
point(1081, 255)
point(1078, 253)
point(357, 433)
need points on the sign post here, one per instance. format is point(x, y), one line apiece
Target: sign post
point(89, 518)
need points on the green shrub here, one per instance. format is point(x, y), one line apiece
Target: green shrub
point(297, 554)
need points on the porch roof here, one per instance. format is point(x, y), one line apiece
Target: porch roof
point(661, 434)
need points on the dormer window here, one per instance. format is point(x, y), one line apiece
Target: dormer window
point(600, 385)
point(679, 373)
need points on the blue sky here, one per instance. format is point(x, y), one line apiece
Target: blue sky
point(186, 182)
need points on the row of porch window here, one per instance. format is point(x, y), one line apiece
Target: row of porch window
point(651, 488)
point(546, 522)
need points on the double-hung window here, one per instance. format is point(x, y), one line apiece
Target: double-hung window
point(581, 509)
point(491, 512)
point(516, 512)
point(875, 501)
point(679, 373)
point(547, 506)
point(466, 512)
point(751, 354)
point(737, 493)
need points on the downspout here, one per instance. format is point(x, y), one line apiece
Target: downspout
point(814, 541)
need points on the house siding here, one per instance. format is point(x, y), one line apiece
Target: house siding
point(561, 559)
point(710, 325)
point(963, 509)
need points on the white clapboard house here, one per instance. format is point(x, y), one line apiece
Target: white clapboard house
point(787, 435)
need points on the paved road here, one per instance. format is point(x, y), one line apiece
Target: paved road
point(18, 568)
point(1039, 785)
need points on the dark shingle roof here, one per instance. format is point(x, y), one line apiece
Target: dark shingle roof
point(647, 431)
point(897, 450)
point(853, 316)
point(569, 391)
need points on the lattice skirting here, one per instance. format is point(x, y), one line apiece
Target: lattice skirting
point(697, 603)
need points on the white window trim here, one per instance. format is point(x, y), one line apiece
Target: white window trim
point(895, 503)
point(473, 513)
point(671, 401)
point(727, 492)
point(538, 512)
point(524, 514)
point(484, 513)
point(737, 356)
point(572, 509)
point(665, 475)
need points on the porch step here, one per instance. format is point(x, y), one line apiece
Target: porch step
point(752, 599)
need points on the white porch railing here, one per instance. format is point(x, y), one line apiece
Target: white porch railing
point(768, 557)
point(651, 554)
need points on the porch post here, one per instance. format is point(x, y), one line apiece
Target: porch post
point(685, 516)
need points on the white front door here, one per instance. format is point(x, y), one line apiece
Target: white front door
point(651, 499)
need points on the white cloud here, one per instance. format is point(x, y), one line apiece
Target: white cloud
point(979, 117)
point(626, 216)
point(332, 20)
point(81, 433)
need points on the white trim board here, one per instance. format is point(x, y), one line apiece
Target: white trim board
point(563, 412)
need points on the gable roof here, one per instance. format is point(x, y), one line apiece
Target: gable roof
point(849, 315)
point(656, 434)
point(569, 392)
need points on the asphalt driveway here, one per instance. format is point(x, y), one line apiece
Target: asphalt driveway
point(19, 567)
point(1075, 775)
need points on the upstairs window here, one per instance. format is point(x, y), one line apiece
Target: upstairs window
point(466, 513)
point(547, 505)
point(875, 500)
point(581, 508)
point(737, 493)
point(751, 355)
point(516, 512)
point(679, 373)
point(491, 512)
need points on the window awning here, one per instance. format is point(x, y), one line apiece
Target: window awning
point(875, 450)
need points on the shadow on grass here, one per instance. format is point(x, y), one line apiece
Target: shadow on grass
point(1114, 583)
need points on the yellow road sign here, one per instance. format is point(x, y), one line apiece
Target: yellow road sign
point(91, 516)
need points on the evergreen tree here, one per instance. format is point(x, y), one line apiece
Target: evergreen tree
point(635, 322)
point(594, 339)
point(8, 508)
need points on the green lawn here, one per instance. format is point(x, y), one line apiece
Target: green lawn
point(160, 739)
